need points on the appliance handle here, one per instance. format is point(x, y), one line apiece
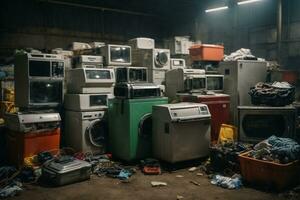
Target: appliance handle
point(202, 119)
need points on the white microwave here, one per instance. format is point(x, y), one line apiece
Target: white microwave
point(131, 74)
point(116, 54)
point(88, 61)
point(79, 80)
point(257, 123)
point(39, 80)
point(215, 82)
point(86, 102)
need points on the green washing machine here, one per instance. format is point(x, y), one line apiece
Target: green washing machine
point(130, 127)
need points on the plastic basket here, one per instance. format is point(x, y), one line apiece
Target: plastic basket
point(265, 173)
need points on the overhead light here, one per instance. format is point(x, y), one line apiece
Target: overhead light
point(247, 1)
point(216, 9)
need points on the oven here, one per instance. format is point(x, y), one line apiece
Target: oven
point(257, 123)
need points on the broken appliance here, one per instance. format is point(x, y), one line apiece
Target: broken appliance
point(156, 60)
point(131, 74)
point(136, 90)
point(115, 55)
point(179, 45)
point(142, 43)
point(177, 63)
point(130, 127)
point(39, 80)
point(185, 80)
point(86, 80)
point(65, 170)
point(88, 61)
point(30, 133)
point(215, 82)
point(86, 131)
point(181, 131)
point(239, 77)
point(86, 102)
point(257, 123)
point(219, 108)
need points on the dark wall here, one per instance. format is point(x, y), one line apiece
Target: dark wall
point(249, 26)
point(46, 25)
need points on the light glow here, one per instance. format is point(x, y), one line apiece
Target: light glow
point(247, 1)
point(216, 9)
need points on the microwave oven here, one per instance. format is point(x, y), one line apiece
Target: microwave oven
point(215, 82)
point(88, 61)
point(131, 74)
point(39, 66)
point(185, 80)
point(39, 80)
point(86, 80)
point(257, 123)
point(116, 54)
point(177, 63)
point(86, 102)
point(136, 90)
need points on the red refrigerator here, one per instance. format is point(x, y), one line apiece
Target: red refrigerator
point(218, 105)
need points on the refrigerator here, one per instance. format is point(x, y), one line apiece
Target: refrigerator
point(239, 77)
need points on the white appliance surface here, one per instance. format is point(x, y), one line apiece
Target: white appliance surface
point(181, 131)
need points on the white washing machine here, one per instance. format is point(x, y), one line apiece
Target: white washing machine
point(86, 131)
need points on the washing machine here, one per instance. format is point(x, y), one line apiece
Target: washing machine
point(86, 131)
point(181, 131)
point(130, 127)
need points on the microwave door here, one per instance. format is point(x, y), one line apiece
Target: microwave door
point(38, 68)
point(98, 76)
point(45, 92)
point(198, 84)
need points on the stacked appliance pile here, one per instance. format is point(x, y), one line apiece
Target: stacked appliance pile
point(201, 85)
point(89, 88)
point(39, 80)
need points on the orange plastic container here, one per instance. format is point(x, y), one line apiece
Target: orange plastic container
point(265, 173)
point(206, 52)
point(21, 145)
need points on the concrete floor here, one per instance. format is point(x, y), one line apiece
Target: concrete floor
point(139, 187)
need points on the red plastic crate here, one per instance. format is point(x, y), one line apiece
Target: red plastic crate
point(206, 52)
point(265, 173)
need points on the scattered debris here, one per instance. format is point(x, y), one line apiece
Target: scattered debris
point(179, 176)
point(233, 182)
point(158, 183)
point(195, 183)
point(199, 174)
point(11, 190)
point(179, 197)
point(192, 169)
point(150, 166)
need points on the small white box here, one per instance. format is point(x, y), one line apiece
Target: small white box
point(142, 43)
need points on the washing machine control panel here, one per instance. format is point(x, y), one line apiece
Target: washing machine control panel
point(92, 115)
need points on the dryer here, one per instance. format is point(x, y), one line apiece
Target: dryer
point(181, 131)
point(86, 131)
point(156, 59)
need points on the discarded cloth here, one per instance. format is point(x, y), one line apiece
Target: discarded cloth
point(274, 94)
point(11, 190)
point(241, 54)
point(277, 149)
point(233, 182)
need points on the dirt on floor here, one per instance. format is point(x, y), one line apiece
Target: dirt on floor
point(139, 187)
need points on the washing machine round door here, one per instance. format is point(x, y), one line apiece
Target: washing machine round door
point(97, 133)
point(161, 59)
point(145, 126)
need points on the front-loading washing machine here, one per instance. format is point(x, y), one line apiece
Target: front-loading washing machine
point(130, 127)
point(86, 131)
